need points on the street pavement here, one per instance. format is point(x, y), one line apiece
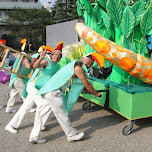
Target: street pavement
point(102, 128)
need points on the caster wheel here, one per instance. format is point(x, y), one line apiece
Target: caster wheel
point(86, 105)
point(127, 128)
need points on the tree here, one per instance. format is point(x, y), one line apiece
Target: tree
point(30, 24)
point(65, 11)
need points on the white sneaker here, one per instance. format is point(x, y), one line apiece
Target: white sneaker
point(10, 129)
point(32, 110)
point(37, 141)
point(7, 95)
point(43, 128)
point(10, 110)
point(76, 137)
point(1, 106)
point(21, 100)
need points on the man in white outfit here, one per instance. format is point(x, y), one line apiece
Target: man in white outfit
point(18, 83)
point(48, 66)
point(53, 101)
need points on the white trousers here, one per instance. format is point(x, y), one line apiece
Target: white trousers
point(17, 88)
point(28, 104)
point(52, 101)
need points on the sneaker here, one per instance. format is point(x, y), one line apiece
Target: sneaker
point(7, 95)
point(37, 141)
point(43, 129)
point(32, 110)
point(1, 106)
point(76, 137)
point(21, 100)
point(10, 129)
point(10, 110)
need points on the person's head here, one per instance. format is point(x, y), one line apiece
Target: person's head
point(87, 61)
point(56, 56)
point(26, 46)
point(49, 50)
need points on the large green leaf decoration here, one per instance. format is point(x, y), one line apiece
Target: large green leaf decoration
point(128, 43)
point(143, 46)
point(146, 21)
point(102, 3)
point(96, 11)
point(100, 14)
point(128, 22)
point(114, 10)
point(87, 5)
point(106, 19)
point(100, 24)
point(79, 8)
point(138, 9)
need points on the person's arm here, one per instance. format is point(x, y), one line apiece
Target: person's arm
point(40, 63)
point(29, 64)
point(80, 74)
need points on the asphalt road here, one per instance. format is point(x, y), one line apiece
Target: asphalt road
point(102, 128)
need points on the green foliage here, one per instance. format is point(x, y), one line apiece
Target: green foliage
point(143, 46)
point(114, 10)
point(106, 19)
point(30, 24)
point(65, 11)
point(128, 43)
point(127, 22)
point(138, 10)
point(96, 11)
point(102, 3)
point(146, 21)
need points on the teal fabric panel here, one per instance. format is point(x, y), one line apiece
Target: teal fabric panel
point(25, 72)
point(59, 78)
point(46, 74)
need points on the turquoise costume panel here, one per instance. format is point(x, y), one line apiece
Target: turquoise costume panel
point(25, 71)
point(46, 74)
point(42, 76)
point(72, 91)
point(59, 79)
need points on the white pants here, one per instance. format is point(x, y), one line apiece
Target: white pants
point(29, 102)
point(17, 88)
point(52, 101)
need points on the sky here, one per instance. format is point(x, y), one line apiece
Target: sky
point(45, 1)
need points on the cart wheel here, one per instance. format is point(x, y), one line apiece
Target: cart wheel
point(126, 130)
point(86, 105)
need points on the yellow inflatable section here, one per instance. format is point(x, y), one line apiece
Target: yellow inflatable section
point(129, 61)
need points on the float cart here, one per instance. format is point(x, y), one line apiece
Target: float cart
point(131, 101)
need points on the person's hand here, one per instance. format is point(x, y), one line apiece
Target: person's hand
point(99, 95)
point(33, 60)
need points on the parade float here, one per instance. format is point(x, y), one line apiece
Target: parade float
point(121, 31)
